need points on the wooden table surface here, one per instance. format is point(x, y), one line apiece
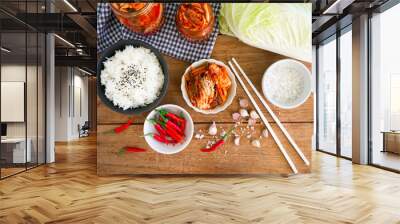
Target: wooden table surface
point(230, 159)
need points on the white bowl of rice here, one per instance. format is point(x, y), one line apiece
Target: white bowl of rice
point(287, 83)
point(132, 77)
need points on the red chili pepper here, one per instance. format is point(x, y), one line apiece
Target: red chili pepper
point(171, 130)
point(174, 118)
point(171, 125)
point(162, 139)
point(160, 130)
point(171, 116)
point(214, 147)
point(159, 138)
point(121, 151)
point(134, 149)
point(219, 142)
point(174, 135)
point(121, 128)
point(158, 127)
point(183, 123)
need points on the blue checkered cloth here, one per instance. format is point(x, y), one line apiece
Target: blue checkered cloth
point(168, 40)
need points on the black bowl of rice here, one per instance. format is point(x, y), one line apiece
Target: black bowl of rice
point(132, 77)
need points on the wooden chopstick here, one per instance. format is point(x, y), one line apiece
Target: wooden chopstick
point(276, 119)
point(265, 121)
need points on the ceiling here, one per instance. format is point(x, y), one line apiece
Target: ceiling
point(75, 21)
point(72, 20)
point(332, 15)
point(18, 53)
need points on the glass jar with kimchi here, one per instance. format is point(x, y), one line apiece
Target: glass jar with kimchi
point(195, 21)
point(143, 18)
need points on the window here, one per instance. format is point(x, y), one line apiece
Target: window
point(333, 137)
point(22, 101)
point(346, 76)
point(394, 102)
point(385, 89)
point(327, 97)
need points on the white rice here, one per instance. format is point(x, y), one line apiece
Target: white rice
point(285, 84)
point(132, 77)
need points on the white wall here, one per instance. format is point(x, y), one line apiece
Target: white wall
point(12, 73)
point(61, 103)
point(33, 127)
point(81, 94)
point(16, 72)
point(70, 84)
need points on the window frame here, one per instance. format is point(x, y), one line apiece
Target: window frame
point(334, 37)
point(381, 9)
point(29, 29)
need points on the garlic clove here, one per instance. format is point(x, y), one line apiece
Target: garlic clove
point(265, 133)
point(254, 114)
point(256, 143)
point(236, 116)
point(223, 132)
point(199, 136)
point(212, 130)
point(243, 103)
point(244, 113)
point(251, 122)
point(237, 141)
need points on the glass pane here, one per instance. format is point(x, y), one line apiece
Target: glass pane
point(41, 99)
point(346, 94)
point(327, 97)
point(31, 98)
point(32, 89)
point(13, 87)
point(385, 115)
point(23, 87)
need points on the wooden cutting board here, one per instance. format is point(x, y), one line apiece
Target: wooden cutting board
point(229, 159)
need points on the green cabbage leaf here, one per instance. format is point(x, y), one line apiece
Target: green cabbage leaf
point(283, 28)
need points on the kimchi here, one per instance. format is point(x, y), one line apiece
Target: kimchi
point(208, 86)
point(143, 18)
point(195, 21)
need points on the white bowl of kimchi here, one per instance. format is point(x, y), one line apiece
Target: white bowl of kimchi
point(208, 86)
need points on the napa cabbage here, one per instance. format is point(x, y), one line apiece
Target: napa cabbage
point(283, 28)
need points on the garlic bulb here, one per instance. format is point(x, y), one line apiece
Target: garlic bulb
point(212, 130)
point(243, 103)
point(254, 114)
point(256, 143)
point(265, 133)
point(243, 113)
point(237, 141)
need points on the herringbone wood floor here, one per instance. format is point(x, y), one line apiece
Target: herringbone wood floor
point(70, 192)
